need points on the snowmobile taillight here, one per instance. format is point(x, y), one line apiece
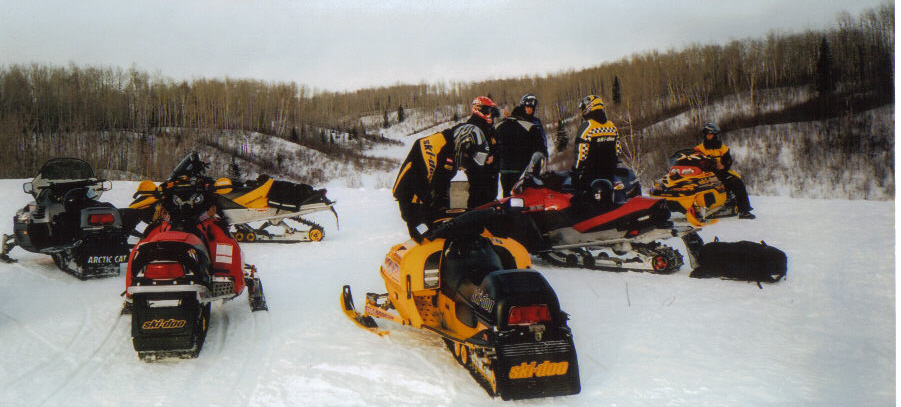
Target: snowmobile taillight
point(528, 315)
point(632, 233)
point(164, 271)
point(101, 219)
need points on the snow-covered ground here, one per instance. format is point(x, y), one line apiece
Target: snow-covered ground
point(824, 336)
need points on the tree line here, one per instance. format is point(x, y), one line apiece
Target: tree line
point(67, 110)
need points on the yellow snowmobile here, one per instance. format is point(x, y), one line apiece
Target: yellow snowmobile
point(500, 319)
point(691, 187)
point(265, 200)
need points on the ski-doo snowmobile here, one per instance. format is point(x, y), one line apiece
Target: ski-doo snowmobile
point(85, 237)
point(610, 228)
point(265, 203)
point(185, 262)
point(690, 187)
point(499, 319)
point(273, 202)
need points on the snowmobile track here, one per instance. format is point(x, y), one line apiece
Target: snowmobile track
point(88, 367)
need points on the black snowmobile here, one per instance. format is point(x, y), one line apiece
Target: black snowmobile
point(181, 266)
point(500, 319)
point(85, 237)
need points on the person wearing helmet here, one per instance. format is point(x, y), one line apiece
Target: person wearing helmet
point(711, 146)
point(597, 147)
point(422, 186)
point(519, 137)
point(483, 179)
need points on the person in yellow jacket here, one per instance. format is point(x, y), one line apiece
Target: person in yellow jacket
point(423, 181)
point(711, 146)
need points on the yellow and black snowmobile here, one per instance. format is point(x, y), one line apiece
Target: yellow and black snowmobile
point(500, 319)
point(265, 202)
point(692, 188)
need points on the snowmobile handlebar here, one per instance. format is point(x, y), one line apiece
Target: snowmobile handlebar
point(467, 225)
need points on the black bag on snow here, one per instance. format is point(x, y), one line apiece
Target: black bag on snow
point(744, 260)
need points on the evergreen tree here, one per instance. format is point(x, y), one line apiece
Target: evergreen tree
point(825, 73)
point(400, 114)
point(617, 91)
point(562, 139)
point(386, 124)
point(234, 170)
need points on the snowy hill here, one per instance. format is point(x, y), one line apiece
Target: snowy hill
point(824, 336)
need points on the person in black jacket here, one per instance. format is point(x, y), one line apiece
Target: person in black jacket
point(483, 179)
point(519, 137)
point(423, 182)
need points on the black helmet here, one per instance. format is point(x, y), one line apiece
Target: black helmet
point(470, 144)
point(710, 128)
point(529, 100)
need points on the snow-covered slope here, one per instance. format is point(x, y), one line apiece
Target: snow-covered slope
point(825, 336)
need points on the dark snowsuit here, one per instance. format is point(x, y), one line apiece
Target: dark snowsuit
point(423, 182)
point(482, 179)
point(597, 149)
point(519, 136)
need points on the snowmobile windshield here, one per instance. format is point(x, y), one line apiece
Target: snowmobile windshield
point(190, 166)
point(66, 168)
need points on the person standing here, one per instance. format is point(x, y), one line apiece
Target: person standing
point(423, 181)
point(597, 147)
point(519, 137)
point(483, 179)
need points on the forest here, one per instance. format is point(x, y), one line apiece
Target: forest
point(137, 124)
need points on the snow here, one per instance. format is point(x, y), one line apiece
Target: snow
point(824, 336)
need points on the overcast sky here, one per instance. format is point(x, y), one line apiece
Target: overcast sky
point(346, 45)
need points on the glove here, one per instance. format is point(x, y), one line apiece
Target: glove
point(415, 234)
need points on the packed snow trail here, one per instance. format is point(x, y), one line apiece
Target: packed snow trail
point(824, 336)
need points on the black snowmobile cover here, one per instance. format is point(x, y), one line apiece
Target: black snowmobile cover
point(288, 195)
point(744, 260)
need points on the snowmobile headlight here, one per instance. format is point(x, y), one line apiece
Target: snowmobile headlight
point(517, 203)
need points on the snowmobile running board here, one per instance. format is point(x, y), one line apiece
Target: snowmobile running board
point(363, 321)
point(676, 231)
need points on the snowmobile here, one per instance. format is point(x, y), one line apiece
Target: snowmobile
point(498, 318)
point(84, 236)
point(609, 228)
point(179, 268)
point(690, 187)
point(267, 201)
point(273, 202)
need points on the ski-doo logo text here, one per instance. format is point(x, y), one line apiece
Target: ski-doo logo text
point(546, 368)
point(107, 259)
point(483, 300)
point(164, 324)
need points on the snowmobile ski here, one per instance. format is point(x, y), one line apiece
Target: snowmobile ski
point(500, 319)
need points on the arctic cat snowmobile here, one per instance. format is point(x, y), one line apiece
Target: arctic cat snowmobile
point(85, 237)
point(499, 319)
point(265, 202)
point(185, 261)
point(691, 187)
point(610, 228)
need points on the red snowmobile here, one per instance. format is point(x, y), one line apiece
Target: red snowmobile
point(609, 228)
point(183, 263)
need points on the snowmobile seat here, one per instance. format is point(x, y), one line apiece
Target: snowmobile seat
point(290, 196)
point(467, 262)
